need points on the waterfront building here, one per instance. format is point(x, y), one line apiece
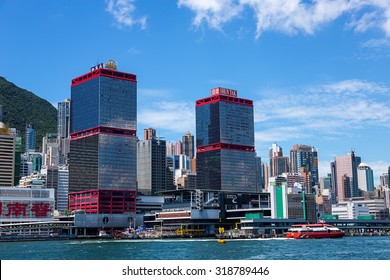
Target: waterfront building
point(204, 212)
point(226, 157)
point(344, 176)
point(304, 160)
point(63, 130)
point(7, 156)
point(350, 210)
point(103, 144)
point(188, 145)
point(151, 164)
point(30, 137)
point(290, 203)
point(376, 208)
point(26, 205)
point(365, 178)
point(277, 162)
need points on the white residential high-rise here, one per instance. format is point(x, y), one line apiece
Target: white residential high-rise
point(50, 149)
point(63, 131)
point(63, 127)
point(365, 177)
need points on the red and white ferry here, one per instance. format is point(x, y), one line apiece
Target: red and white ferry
point(314, 231)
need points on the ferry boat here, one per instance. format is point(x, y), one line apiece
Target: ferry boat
point(314, 231)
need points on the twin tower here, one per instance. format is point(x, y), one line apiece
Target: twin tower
point(103, 156)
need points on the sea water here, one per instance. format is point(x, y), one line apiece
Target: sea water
point(347, 248)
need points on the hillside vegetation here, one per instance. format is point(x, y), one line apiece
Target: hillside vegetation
point(21, 107)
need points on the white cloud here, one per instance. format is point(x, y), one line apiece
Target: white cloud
point(123, 13)
point(331, 111)
point(293, 16)
point(171, 116)
point(279, 134)
point(379, 168)
point(352, 87)
point(323, 168)
point(214, 12)
point(151, 92)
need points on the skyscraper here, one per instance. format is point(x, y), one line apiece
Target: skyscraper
point(149, 133)
point(226, 158)
point(63, 117)
point(304, 160)
point(345, 176)
point(50, 149)
point(365, 178)
point(103, 138)
point(30, 137)
point(277, 162)
point(63, 130)
point(151, 164)
point(188, 145)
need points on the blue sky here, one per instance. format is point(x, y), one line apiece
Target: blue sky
point(318, 71)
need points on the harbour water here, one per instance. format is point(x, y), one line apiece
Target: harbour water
point(348, 248)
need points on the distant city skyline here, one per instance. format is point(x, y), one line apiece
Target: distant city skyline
point(317, 72)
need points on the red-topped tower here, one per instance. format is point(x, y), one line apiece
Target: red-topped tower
point(226, 158)
point(102, 161)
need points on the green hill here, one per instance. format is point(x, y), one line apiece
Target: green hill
point(21, 107)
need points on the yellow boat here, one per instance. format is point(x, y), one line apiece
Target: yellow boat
point(221, 241)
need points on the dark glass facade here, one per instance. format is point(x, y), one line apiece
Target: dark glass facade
point(226, 159)
point(103, 132)
point(104, 101)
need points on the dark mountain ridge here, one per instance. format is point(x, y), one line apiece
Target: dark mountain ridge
point(21, 107)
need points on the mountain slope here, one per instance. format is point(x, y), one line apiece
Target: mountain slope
point(21, 107)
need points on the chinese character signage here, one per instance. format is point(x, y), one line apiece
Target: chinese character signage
point(25, 210)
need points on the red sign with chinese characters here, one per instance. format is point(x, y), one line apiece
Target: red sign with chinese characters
point(21, 209)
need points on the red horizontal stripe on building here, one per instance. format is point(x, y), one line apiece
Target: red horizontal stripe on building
point(223, 98)
point(103, 130)
point(224, 146)
point(104, 73)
